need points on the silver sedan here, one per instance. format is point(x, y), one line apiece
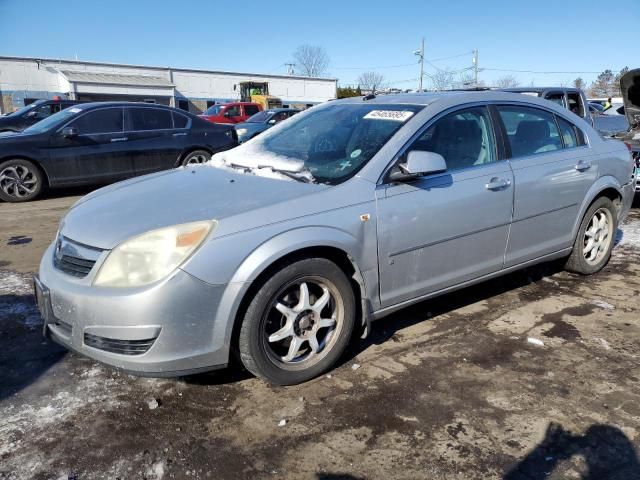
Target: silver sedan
point(286, 247)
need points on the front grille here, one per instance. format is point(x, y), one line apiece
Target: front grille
point(78, 267)
point(123, 347)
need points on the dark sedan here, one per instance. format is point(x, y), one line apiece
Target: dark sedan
point(261, 121)
point(32, 113)
point(100, 143)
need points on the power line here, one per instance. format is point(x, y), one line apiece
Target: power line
point(532, 71)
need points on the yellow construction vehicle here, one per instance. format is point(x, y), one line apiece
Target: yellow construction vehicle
point(258, 92)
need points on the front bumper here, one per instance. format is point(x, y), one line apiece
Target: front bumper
point(175, 327)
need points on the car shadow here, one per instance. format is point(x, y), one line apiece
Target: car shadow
point(25, 355)
point(605, 450)
point(385, 329)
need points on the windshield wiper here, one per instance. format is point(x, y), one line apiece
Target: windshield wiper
point(288, 173)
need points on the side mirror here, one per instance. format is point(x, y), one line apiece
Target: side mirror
point(272, 121)
point(31, 114)
point(418, 164)
point(226, 114)
point(69, 132)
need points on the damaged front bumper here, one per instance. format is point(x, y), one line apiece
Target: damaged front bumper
point(167, 329)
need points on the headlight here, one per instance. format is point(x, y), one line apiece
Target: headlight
point(153, 255)
point(241, 131)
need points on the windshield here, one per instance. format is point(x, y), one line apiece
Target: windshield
point(260, 117)
point(24, 109)
point(327, 145)
point(52, 121)
point(214, 110)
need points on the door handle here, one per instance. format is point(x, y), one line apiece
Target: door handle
point(583, 165)
point(119, 139)
point(180, 134)
point(497, 183)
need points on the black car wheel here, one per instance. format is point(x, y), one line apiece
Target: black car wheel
point(20, 181)
point(196, 157)
point(299, 322)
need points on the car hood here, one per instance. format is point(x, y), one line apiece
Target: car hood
point(630, 88)
point(108, 216)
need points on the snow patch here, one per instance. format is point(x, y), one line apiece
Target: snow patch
point(630, 233)
point(19, 302)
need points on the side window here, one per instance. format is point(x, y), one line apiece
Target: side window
point(568, 132)
point(179, 121)
point(575, 103)
point(251, 110)
point(278, 117)
point(530, 130)
point(233, 111)
point(149, 119)
point(463, 138)
point(556, 97)
point(106, 120)
point(44, 111)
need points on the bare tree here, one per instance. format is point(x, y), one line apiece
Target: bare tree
point(506, 81)
point(442, 80)
point(312, 60)
point(371, 81)
point(579, 83)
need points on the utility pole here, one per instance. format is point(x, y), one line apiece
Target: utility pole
point(420, 54)
point(290, 68)
point(475, 68)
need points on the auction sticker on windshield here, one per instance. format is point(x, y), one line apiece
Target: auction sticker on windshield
point(395, 115)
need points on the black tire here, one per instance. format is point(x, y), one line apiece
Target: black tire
point(196, 157)
point(577, 261)
point(261, 357)
point(20, 181)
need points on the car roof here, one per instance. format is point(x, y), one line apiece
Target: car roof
point(538, 89)
point(89, 105)
point(450, 96)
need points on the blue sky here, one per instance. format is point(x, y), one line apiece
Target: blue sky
point(541, 35)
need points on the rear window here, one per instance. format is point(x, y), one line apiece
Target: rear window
point(179, 121)
point(149, 119)
point(251, 109)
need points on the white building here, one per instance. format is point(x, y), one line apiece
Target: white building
point(24, 80)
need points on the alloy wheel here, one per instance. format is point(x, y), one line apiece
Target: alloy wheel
point(598, 236)
point(303, 322)
point(197, 159)
point(18, 181)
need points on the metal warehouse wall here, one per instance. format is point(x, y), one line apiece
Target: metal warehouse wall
point(29, 78)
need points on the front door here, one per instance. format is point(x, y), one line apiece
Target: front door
point(98, 153)
point(445, 229)
point(553, 169)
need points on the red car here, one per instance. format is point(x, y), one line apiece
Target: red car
point(235, 112)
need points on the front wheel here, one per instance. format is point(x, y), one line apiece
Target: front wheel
point(594, 242)
point(299, 322)
point(20, 181)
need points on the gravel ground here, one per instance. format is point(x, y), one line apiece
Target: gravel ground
point(533, 375)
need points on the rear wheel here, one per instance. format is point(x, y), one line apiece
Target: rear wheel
point(196, 157)
point(20, 180)
point(299, 322)
point(594, 242)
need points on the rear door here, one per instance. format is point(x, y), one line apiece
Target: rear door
point(98, 153)
point(152, 138)
point(553, 169)
point(448, 228)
